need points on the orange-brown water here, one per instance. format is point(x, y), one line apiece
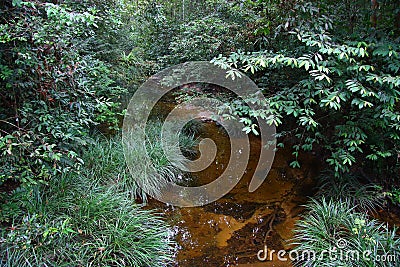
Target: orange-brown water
point(230, 231)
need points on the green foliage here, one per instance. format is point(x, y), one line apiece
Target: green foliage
point(105, 165)
point(14, 205)
point(347, 188)
point(83, 220)
point(54, 88)
point(394, 196)
point(172, 32)
point(328, 90)
point(201, 38)
point(337, 234)
point(105, 161)
point(147, 159)
point(205, 37)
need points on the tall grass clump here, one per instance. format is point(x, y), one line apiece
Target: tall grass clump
point(86, 219)
point(105, 165)
point(334, 234)
point(347, 188)
point(105, 160)
point(158, 159)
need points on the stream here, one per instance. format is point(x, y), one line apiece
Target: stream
point(231, 230)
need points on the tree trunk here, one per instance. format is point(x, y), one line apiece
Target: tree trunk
point(374, 7)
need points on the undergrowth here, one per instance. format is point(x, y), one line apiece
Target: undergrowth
point(85, 219)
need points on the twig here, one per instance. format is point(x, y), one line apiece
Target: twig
point(271, 221)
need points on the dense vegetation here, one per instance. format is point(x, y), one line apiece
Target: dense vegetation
point(329, 69)
point(67, 198)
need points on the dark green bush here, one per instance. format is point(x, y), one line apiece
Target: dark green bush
point(327, 89)
point(54, 87)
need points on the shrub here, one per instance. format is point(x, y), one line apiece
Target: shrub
point(54, 88)
point(328, 89)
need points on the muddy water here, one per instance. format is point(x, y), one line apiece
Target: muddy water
point(230, 231)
